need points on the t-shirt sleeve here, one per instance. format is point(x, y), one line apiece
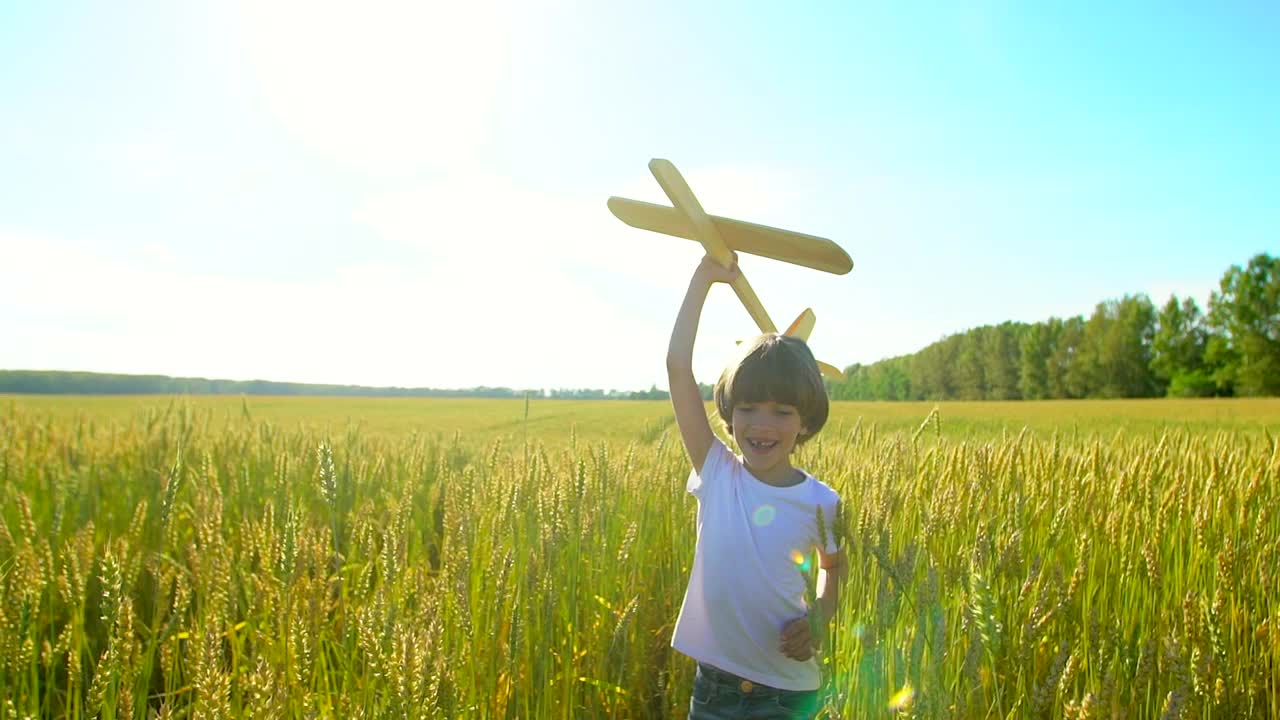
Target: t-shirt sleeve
point(712, 467)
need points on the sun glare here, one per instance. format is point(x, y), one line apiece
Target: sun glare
point(901, 700)
point(382, 82)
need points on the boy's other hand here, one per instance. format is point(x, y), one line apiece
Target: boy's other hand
point(714, 272)
point(797, 642)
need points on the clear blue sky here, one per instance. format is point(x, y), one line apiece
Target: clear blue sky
point(414, 193)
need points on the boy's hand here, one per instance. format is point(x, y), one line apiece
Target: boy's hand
point(797, 642)
point(714, 272)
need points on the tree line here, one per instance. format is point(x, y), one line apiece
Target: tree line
point(1126, 349)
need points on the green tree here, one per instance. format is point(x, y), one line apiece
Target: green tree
point(1085, 375)
point(858, 383)
point(1245, 315)
point(895, 382)
point(1002, 352)
point(1061, 378)
point(1178, 350)
point(933, 370)
point(970, 367)
point(1114, 357)
point(1033, 382)
point(1125, 358)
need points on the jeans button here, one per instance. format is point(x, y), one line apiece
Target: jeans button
point(746, 686)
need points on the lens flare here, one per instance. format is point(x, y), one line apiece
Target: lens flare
point(764, 515)
point(901, 700)
point(801, 560)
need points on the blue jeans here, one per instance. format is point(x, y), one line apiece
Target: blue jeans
point(718, 695)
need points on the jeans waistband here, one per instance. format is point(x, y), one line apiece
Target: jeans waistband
point(736, 682)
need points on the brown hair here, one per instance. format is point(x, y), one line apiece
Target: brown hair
point(780, 368)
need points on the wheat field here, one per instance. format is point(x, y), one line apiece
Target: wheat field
point(323, 558)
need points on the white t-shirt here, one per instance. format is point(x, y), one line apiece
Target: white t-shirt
point(745, 583)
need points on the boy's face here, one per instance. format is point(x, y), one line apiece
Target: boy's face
point(766, 432)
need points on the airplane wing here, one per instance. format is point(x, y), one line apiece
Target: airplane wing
point(801, 328)
point(791, 247)
point(803, 325)
point(831, 371)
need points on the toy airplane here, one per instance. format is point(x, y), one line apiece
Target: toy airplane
point(719, 235)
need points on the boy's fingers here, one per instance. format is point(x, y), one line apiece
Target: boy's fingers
point(798, 653)
point(794, 649)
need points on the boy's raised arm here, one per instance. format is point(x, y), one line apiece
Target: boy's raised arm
point(691, 414)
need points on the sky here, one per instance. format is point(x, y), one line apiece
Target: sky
point(413, 193)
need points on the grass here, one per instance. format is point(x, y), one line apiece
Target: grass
point(211, 557)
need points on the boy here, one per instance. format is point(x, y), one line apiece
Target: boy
point(744, 618)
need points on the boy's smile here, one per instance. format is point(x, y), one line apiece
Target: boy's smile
point(766, 432)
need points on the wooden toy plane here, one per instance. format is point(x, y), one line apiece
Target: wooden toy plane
point(719, 235)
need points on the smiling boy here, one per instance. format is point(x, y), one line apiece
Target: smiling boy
point(744, 618)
